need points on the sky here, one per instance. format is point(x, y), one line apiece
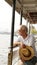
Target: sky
point(6, 17)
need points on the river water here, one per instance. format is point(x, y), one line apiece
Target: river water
point(4, 48)
point(5, 40)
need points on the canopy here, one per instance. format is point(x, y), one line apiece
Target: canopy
point(29, 8)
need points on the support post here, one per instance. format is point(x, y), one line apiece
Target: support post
point(10, 55)
point(29, 27)
point(21, 12)
point(21, 18)
point(27, 23)
point(13, 21)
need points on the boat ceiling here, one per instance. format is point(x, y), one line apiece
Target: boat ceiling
point(28, 7)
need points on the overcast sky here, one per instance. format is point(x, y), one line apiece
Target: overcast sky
point(6, 17)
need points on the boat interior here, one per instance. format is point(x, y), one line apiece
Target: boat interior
point(28, 9)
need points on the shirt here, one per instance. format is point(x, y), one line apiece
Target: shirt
point(29, 40)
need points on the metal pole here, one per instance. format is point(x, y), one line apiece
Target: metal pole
point(27, 23)
point(13, 21)
point(29, 27)
point(21, 18)
point(21, 12)
point(10, 55)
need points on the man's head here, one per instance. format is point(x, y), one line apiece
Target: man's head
point(23, 30)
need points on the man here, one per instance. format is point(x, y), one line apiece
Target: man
point(25, 39)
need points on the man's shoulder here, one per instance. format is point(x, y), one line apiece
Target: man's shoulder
point(31, 35)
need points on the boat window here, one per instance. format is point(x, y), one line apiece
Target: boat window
point(5, 30)
point(24, 21)
point(33, 29)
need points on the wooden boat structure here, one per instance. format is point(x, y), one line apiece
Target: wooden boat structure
point(28, 10)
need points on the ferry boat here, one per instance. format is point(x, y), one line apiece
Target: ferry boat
point(28, 10)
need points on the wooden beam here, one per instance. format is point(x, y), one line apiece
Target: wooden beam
point(28, 6)
point(28, 2)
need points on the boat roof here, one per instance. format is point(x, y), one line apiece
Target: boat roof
point(29, 8)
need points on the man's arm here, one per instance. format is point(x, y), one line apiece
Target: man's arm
point(16, 44)
point(19, 44)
